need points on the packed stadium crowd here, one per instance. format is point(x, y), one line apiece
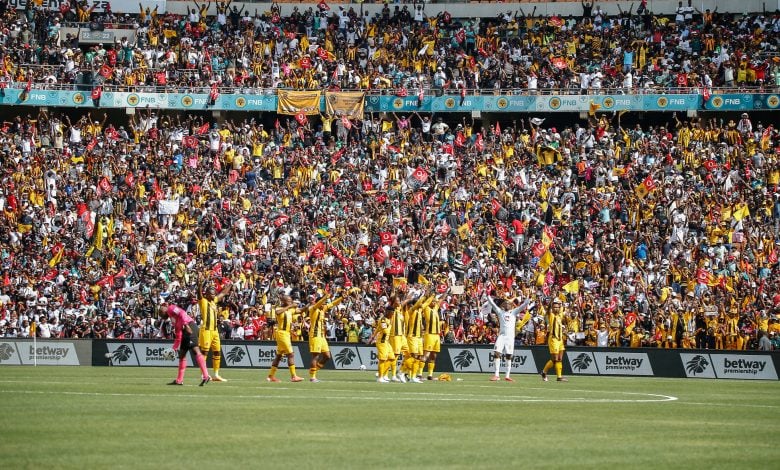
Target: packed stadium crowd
point(400, 51)
point(650, 235)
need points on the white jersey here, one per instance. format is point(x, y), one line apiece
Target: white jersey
point(507, 319)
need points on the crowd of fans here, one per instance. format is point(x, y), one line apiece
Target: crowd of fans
point(662, 236)
point(400, 50)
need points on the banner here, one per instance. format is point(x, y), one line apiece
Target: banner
point(294, 102)
point(46, 353)
point(728, 366)
point(349, 104)
point(262, 355)
point(609, 363)
point(168, 207)
point(116, 6)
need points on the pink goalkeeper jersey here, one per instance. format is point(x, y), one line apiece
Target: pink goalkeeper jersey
point(179, 318)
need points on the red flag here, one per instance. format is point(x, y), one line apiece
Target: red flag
point(305, 63)
point(380, 255)
point(495, 206)
point(97, 92)
point(190, 141)
point(710, 164)
point(386, 238)
point(442, 288)
point(706, 94)
point(279, 221)
point(503, 233)
point(479, 144)
point(318, 251)
point(559, 63)
point(460, 36)
point(322, 53)
point(104, 185)
point(703, 276)
point(497, 129)
point(773, 256)
point(336, 156)
point(106, 71)
point(91, 144)
point(460, 139)
point(396, 267)
point(323, 6)
point(217, 270)
point(420, 175)
point(301, 118)
point(630, 319)
point(538, 249)
point(347, 282)
point(346, 122)
point(465, 259)
point(204, 129)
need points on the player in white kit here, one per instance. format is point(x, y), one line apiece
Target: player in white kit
point(508, 326)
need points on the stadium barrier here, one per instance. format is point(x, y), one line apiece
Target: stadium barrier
point(455, 358)
point(389, 103)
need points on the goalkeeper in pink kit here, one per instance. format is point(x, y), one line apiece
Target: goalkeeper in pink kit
point(186, 339)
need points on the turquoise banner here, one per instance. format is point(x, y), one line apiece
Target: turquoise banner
point(435, 104)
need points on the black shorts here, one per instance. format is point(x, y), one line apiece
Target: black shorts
point(189, 340)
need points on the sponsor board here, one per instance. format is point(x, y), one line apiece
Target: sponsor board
point(620, 363)
point(582, 362)
point(122, 354)
point(522, 361)
point(743, 366)
point(153, 354)
point(698, 366)
point(465, 359)
point(8, 355)
point(263, 355)
point(235, 356)
point(47, 354)
point(346, 357)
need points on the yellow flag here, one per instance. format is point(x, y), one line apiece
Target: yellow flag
point(423, 280)
point(741, 213)
point(543, 191)
point(546, 240)
point(725, 213)
point(464, 230)
point(540, 279)
point(593, 108)
point(387, 126)
point(546, 260)
point(573, 287)
point(399, 282)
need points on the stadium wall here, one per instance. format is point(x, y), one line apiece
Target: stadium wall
point(457, 10)
point(462, 358)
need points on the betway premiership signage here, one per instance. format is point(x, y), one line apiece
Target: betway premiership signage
point(53, 353)
point(728, 366)
point(609, 363)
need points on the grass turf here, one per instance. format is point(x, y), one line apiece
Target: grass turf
point(84, 417)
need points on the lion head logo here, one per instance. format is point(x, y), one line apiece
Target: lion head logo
point(240, 102)
point(502, 103)
point(133, 100)
point(582, 362)
point(187, 100)
point(122, 353)
point(662, 102)
point(345, 357)
point(6, 351)
point(464, 359)
point(449, 103)
point(235, 355)
point(697, 365)
point(78, 98)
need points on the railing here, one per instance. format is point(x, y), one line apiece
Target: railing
point(174, 88)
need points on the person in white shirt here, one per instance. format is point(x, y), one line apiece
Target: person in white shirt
point(505, 342)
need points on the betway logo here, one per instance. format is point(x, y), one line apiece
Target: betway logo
point(48, 352)
point(623, 363)
point(744, 366)
point(155, 354)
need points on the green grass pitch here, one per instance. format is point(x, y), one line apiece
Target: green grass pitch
point(91, 417)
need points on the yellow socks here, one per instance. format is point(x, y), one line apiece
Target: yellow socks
point(431, 366)
point(292, 371)
point(559, 369)
point(548, 366)
point(273, 371)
